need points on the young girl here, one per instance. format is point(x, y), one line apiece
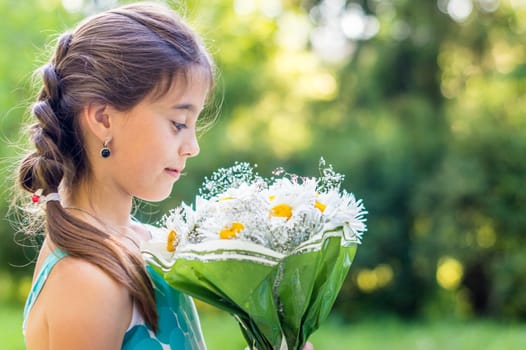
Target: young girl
point(116, 118)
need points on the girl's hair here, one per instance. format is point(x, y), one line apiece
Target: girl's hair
point(118, 57)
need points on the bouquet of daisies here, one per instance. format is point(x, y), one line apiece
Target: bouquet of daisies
point(273, 252)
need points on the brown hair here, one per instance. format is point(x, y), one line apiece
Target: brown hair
point(118, 57)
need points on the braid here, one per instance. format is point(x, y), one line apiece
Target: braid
point(51, 76)
point(44, 168)
point(62, 47)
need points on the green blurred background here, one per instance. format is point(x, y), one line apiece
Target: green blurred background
point(420, 103)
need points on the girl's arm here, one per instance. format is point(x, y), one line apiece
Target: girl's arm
point(86, 309)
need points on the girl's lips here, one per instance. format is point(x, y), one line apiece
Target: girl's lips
point(173, 172)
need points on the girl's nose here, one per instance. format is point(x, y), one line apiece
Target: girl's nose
point(190, 148)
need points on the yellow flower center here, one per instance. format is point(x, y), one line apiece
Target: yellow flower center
point(226, 198)
point(282, 210)
point(232, 231)
point(320, 206)
point(271, 198)
point(171, 242)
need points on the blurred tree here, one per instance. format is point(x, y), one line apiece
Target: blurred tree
point(419, 103)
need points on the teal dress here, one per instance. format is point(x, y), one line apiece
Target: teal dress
point(179, 326)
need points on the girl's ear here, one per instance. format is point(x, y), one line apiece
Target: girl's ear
point(97, 119)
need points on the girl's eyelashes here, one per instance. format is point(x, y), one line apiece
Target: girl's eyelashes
point(179, 126)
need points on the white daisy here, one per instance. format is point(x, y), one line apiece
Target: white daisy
point(286, 198)
point(343, 210)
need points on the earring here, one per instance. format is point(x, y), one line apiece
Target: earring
point(105, 151)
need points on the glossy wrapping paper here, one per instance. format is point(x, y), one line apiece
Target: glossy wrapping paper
point(279, 300)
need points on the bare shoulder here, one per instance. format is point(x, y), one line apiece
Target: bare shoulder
point(85, 278)
point(85, 307)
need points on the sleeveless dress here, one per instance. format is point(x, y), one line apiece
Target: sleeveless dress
point(179, 326)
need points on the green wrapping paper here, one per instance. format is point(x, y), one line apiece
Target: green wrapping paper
point(279, 301)
point(309, 286)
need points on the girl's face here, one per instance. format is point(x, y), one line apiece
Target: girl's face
point(151, 142)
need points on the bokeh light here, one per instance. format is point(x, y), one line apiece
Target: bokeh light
point(449, 273)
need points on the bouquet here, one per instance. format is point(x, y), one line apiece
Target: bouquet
point(273, 252)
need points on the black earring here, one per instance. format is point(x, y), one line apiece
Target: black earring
point(105, 151)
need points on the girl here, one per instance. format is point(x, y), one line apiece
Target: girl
point(116, 118)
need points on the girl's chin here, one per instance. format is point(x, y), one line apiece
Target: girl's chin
point(155, 196)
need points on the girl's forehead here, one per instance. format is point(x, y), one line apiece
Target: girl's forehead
point(189, 90)
point(195, 80)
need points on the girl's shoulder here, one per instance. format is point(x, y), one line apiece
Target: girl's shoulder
point(77, 273)
point(77, 279)
point(84, 302)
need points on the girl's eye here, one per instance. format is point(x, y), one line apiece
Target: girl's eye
point(179, 126)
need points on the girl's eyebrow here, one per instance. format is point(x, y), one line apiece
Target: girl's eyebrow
point(186, 106)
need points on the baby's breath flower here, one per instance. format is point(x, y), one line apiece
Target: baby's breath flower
point(329, 179)
point(224, 179)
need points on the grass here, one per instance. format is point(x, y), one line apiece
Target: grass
point(221, 333)
point(11, 328)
